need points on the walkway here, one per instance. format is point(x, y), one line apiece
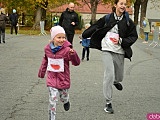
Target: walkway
point(23, 96)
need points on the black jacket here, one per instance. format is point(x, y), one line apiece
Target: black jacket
point(3, 20)
point(98, 31)
point(65, 21)
point(14, 19)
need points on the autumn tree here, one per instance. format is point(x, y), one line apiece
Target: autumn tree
point(92, 4)
point(38, 8)
point(140, 5)
point(40, 13)
point(93, 8)
point(43, 6)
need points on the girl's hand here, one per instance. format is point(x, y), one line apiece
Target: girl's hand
point(71, 51)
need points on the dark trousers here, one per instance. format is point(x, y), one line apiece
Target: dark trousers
point(15, 28)
point(83, 52)
point(70, 38)
point(2, 34)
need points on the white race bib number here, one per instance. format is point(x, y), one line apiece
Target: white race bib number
point(112, 36)
point(55, 65)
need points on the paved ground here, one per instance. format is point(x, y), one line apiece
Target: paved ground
point(23, 96)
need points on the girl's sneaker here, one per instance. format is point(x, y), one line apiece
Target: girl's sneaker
point(66, 106)
point(109, 108)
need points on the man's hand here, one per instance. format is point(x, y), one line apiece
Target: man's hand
point(73, 23)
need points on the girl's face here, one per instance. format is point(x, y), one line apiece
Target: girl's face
point(120, 7)
point(59, 39)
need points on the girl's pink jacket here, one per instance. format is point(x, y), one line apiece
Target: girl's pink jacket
point(59, 80)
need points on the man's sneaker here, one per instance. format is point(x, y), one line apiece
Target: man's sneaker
point(108, 108)
point(66, 106)
point(118, 86)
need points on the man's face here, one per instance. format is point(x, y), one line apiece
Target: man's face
point(71, 7)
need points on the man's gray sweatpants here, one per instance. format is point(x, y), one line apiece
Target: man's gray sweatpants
point(113, 72)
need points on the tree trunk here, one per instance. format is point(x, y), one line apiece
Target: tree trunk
point(143, 12)
point(143, 9)
point(40, 14)
point(44, 16)
point(94, 4)
point(136, 11)
point(38, 17)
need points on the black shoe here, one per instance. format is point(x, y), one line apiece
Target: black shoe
point(87, 59)
point(118, 86)
point(66, 106)
point(3, 41)
point(108, 108)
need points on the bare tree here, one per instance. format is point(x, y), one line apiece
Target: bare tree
point(136, 10)
point(92, 4)
point(143, 10)
point(140, 6)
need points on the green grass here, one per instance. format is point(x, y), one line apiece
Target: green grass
point(26, 30)
point(30, 31)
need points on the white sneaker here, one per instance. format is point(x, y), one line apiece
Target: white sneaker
point(144, 42)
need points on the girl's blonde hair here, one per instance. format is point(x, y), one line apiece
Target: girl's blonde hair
point(87, 25)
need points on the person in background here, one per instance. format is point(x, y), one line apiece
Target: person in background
point(58, 54)
point(146, 29)
point(14, 21)
point(68, 20)
point(85, 44)
point(3, 20)
point(55, 20)
point(114, 38)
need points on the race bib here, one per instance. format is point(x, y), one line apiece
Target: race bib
point(55, 65)
point(112, 36)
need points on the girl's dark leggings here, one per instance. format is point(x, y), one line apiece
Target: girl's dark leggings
point(83, 52)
